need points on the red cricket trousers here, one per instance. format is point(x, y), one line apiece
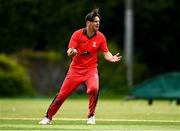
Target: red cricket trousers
point(74, 78)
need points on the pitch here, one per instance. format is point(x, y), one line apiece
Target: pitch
point(119, 115)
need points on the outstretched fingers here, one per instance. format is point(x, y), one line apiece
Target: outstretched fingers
point(117, 57)
point(117, 54)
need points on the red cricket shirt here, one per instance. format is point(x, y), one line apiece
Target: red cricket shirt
point(87, 48)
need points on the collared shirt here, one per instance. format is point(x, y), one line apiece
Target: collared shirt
point(87, 48)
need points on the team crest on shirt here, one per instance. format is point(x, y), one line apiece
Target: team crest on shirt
point(94, 44)
point(96, 76)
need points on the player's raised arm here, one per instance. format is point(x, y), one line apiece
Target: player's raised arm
point(112, 58)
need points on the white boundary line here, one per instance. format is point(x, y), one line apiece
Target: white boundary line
point(80, 119)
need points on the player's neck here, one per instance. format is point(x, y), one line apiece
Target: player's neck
point(90, 32)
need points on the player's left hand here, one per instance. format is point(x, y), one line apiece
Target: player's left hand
point(117, 57)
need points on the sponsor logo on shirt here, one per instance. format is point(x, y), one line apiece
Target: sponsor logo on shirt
point(86, 53)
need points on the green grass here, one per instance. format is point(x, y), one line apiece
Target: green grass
point(24, 114)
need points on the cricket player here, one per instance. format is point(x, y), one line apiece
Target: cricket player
point(83, 47)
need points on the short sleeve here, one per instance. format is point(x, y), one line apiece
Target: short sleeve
point(103, 46)
point(74, 40)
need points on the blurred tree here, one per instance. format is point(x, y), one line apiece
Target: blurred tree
point(44, 24)
point(157, 25)
point(47, 25)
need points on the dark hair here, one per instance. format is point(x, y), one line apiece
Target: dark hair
point(90, 16)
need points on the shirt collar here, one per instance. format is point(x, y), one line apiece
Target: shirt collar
point(85, 33)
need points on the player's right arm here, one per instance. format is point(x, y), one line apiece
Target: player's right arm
point(73, 44)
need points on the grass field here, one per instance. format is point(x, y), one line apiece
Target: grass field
point(24, 114)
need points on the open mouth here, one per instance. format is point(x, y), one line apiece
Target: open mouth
point(97, 27)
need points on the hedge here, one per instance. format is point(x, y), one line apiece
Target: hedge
point(14, 80)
